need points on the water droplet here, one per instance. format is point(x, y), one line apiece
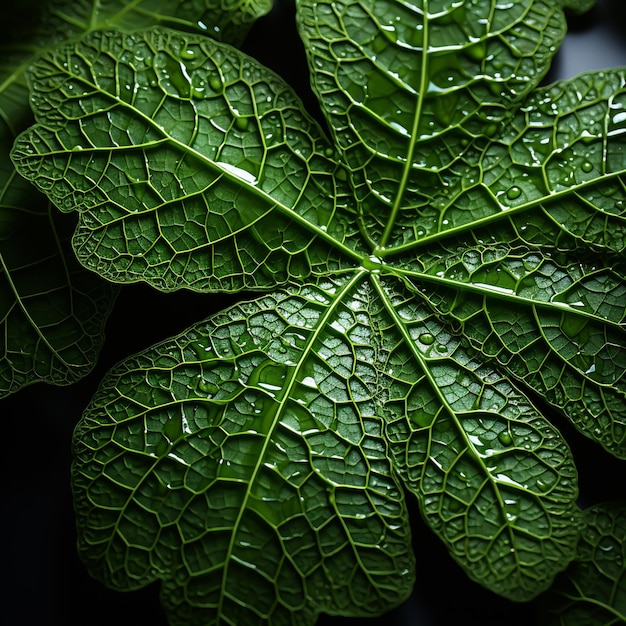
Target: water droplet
point(187, 53)
point(249, 177)
point(341, 174)
point(513, 192)
point(543, 484)
point(172, 74)
point(379, 44)
point(441, 348)
point(427, 339)
point(241, 122)
point(618, 118)
point(206, 386)
point(505, 438)
point(373, 263)
point(490, 130)
point(587, 167)
point(511, 509)
point(215, 82)
point(477, 51)
point(309, 381)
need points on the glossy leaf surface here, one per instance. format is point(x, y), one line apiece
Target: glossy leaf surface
point(246, 459)
point(593, 588)
point(457, 248)
point(52, 311)
point(191, 165)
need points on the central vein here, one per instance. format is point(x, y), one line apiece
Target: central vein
point(397, 204)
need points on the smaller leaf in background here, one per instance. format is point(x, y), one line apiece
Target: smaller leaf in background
point(52, 311)
point(224, 20)
point(592, 591)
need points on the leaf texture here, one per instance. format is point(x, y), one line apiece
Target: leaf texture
point(53, 311)
point(455, 250)
point(221, 19)
point(593, 589)
point(192, 166)
point(453, 71)
point(244, 463)
point(494, 479)
point(551, 178)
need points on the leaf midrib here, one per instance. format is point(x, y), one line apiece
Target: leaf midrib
point(484, 290)
point(282, 399)
point(417, 116)
point(504, 214)
point(410, 343)
point(319, 231)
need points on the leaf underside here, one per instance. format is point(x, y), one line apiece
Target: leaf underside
point(458, 241)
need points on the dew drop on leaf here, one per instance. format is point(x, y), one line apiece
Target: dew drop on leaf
point(477, 51)
point(201, 349)
point(618, 118)
point(587, 167)
point(309, 381)
point(427, 339)
point(505, 438)
point(241, 122)
point(379, 44)
point(207, 386)
point(511, 509)
point(513, 192)
point(543, 484)
point(215, 82)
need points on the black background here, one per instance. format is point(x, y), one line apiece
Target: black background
point(46, 583)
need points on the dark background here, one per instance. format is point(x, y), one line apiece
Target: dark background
point(45, 582)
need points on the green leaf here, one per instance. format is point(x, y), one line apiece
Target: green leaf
point(407, 88)
point(553, 322)
point(52, 311)
point(226, 20)
point(311, 385)
point(457, 249)
point(593, 588)
point(494, 479)
point(192, 165)
point(244, 463)
point(554, 170)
